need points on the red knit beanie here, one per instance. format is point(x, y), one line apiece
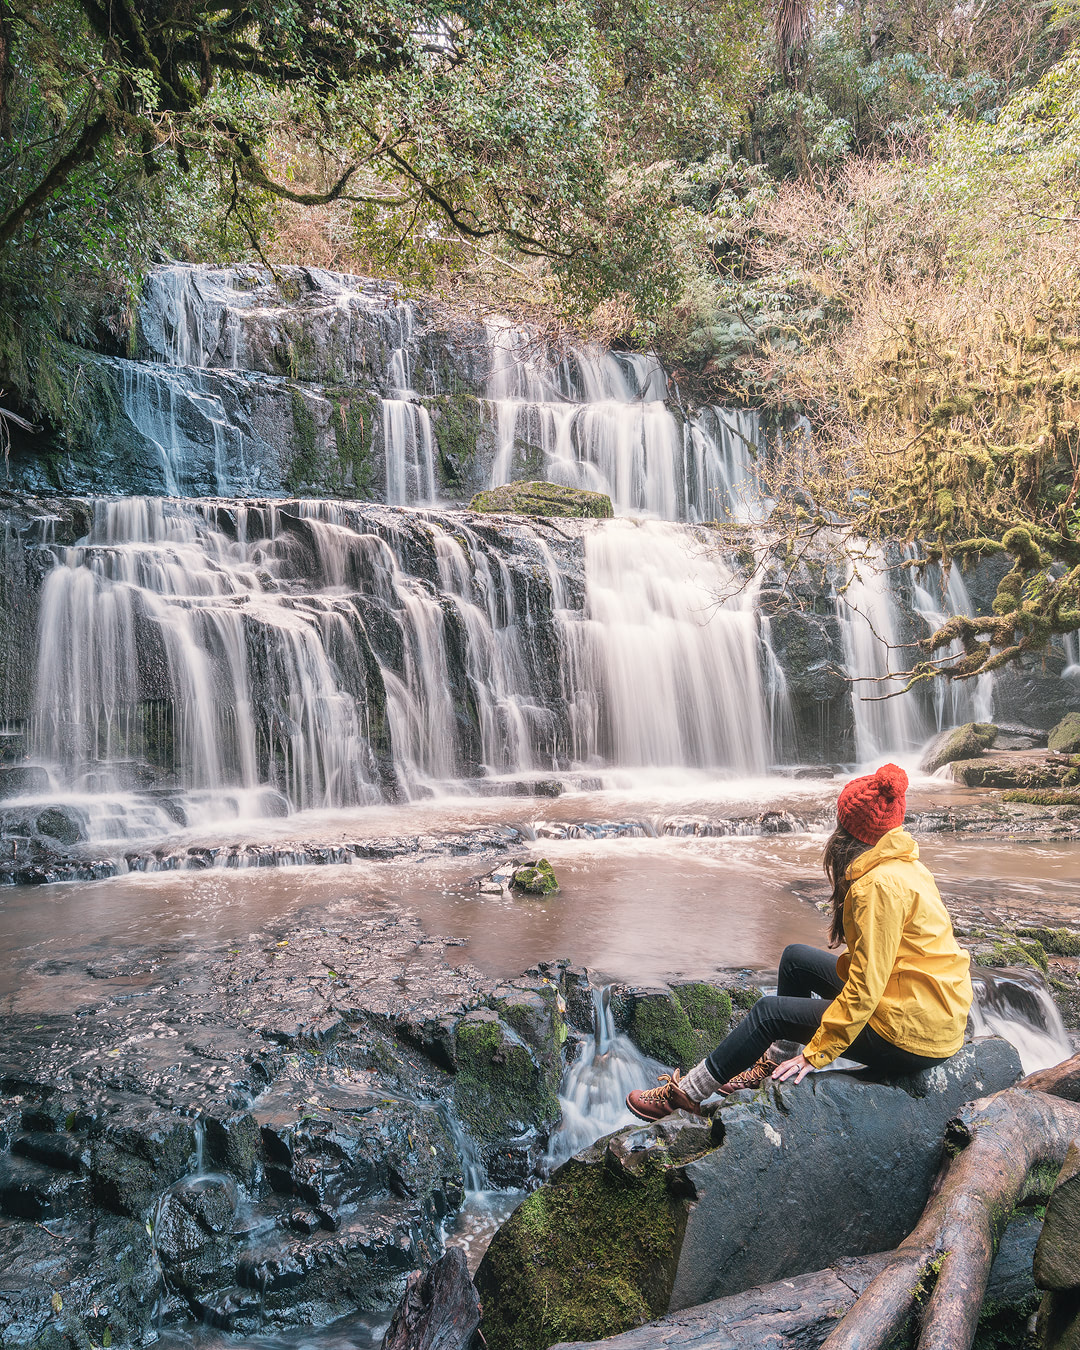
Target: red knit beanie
point(872, 806)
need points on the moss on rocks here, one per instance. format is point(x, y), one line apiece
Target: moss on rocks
point(1014, 952)
point(535, 1288)
point(1043, 796)
point(459, 423)
point(500, 1087)
point(343, 467)
point(680, 1026)
point(544, 499)
point(1057, 941)
point(966, 742)
point(1065, 737)
point(536, 878)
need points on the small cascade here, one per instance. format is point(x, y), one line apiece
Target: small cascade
point(721, 472)
point(1016, 1005)
point(194, 427)
point(593, 1091)
point(1071, 644)
point(600, 420)
point(868, 617)
point(675, 642)
point(954, 701)
point(407, 436)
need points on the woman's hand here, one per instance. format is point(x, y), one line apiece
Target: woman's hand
point(798, 1067)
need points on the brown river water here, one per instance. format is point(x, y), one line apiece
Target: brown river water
point(639, 909)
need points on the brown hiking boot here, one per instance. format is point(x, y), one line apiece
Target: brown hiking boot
point(658, 1102)
point(752, 1077)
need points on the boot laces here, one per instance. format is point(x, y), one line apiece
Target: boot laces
point(756, 1072)
point(660, 1094)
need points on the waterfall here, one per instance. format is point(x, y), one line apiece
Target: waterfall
point(676, 652)
point(868, 618)
point(593, 1091)
point(599, 420)
point(407, 436)
point(253, 657)
point(1071, 644)
point(1017, 1005)
point(954, 701)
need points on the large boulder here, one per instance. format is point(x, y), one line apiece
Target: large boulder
point(1065, 737)
point(543, 499)
point(780, 1182)
point(966, 742)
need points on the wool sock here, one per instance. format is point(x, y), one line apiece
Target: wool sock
point(699, 1082)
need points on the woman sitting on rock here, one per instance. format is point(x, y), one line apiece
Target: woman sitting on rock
point(896, 1000)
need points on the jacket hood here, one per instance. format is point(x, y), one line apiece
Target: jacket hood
point(895, 845)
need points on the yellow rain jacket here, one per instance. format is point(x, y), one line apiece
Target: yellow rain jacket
point(903, 971)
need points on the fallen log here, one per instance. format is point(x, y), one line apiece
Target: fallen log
point(1060, 1080)
point(802, 1311)
point(439, 1310)
point(951, 1249)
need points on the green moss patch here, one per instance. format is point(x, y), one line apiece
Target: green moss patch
point(500, 1087)
point(683, 1026)
point(544, 499)
point(1059, 941)
point(343, 466)
point(1065, 737)
point(536, 878)
point(586, 1256)
point(1016, 953)
point(1043, 796)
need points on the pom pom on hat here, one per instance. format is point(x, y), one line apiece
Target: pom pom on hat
point(874, 804)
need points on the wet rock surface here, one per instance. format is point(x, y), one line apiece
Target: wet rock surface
point(668, 1216)
point(265, 1135)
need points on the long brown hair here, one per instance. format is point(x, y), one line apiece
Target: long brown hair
point(841, 850)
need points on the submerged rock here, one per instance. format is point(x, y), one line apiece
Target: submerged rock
point(543, 499)
point(671, 1215)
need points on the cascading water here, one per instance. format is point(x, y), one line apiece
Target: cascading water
point(868, 618)
point(245, 658)
point(599, 420)
point(935, 599)
point(676, 643)
point(593, 1091)
point(1017, 1005)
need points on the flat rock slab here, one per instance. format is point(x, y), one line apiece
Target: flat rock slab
point(783, 1182)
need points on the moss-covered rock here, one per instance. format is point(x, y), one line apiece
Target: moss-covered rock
point(1033, 774)
point(535, 1287)
point(1065, 737)
point(536, 878)
point(1043, 796)
point(1015, 952)
point(544, 499)
point(681, 1025)
point(966, 742)
point(501, 1086)
point(1058, 941)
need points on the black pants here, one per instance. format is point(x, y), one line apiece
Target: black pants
point(794, 1014)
